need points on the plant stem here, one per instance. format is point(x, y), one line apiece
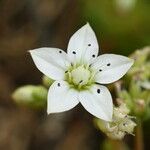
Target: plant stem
point(117, 145)
point(139, 144)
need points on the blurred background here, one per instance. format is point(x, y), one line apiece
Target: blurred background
point(121, 26)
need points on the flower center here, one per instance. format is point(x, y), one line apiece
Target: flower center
point(80, 76)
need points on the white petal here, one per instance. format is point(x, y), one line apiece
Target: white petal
point(83, 45)
point(111, 68)
point(50, 61)
point(61, 97)
point(98, 102)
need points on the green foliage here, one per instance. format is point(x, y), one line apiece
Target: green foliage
point(122, 29)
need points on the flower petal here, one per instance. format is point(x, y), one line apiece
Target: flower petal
point(61, 97)
point(83, 45)
point(111, 68)
point(50, 61)
point(98, 102)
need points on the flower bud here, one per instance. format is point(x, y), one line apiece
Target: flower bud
point(31, 96)
point(137, 100)
point(116, 135)
point(120, 112)
point(140, 70)
point(127, 126)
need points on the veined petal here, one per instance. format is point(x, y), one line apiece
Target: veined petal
point(83, 45)
point(111, 67)
point(50, 61)
point(61, 97)
point(98, 102)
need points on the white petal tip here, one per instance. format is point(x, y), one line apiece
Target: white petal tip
point(108, 118)
point(50, 112)
point(29, 51)
point(132, 61)
point(109, 115)
point(88, 24)
point(105, 118)
point(32, 52)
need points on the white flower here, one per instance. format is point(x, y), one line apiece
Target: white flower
point(79, 73)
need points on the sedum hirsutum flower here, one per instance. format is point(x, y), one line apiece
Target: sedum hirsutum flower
point(79, 74)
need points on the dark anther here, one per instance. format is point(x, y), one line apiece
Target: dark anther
point(66, 71)
point(124, 124)
point(81, 81)
point(60, 51)
point(108, 64)
point(58, 84)
point(100, 70)
point(98, 90)
point(93, 56)
point(74, 52)
point(89, 44)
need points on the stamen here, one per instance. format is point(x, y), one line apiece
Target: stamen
point(89, 44)
point(93, 56)
point(69, 77)
point(81, 81)
point(74, 52)
point(100, 70)
point(60, 51)
point(108, 64)
point(58, 84)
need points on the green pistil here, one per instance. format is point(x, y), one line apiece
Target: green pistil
point(80, 77)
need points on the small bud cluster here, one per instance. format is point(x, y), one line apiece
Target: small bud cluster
point(121, 124)
point(136, 93)
point(140, 71)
